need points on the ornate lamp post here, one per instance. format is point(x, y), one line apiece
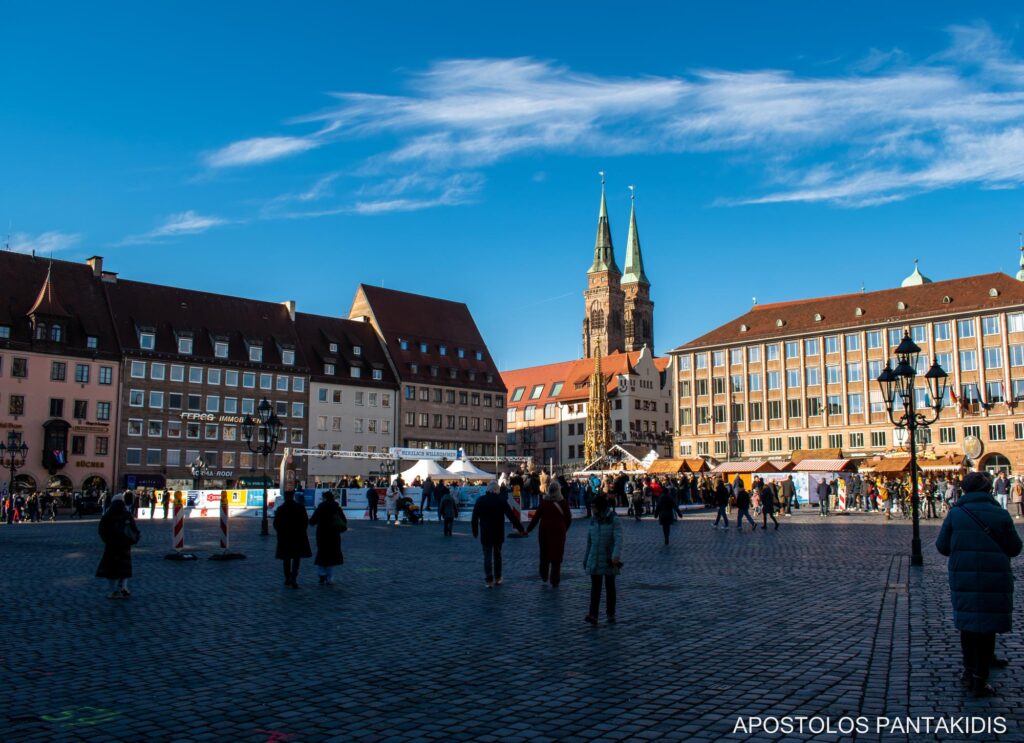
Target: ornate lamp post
point(261, 434)
point(12, 458)
point(899, 382)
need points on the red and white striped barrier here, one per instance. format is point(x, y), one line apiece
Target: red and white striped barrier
point(224, 521)
point(178, 532)
point(225, 553)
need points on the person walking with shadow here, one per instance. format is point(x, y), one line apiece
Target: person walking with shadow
point(291, 523)
point(979, 539)
point(447, 508)
point(769, 502)
point(554, 518)
point(488, 523)
point(721, 500)
point(666, 510)
point(743, 507)
point(330, 523)
point(603, 558)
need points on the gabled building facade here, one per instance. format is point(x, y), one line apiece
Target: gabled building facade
point(353, 394)
point(59, 373)
point(194, 365)
point(547, 413)
point(451, 396)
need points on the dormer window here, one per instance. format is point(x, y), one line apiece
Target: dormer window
point(378, 374)
point(402, 343)
point(56, 333)
point(453, 373)
point(333, 347)
point(329, 369)
point(185, 345)
point(423, 348)
point(818, 317)
point(472, 375)
point(41, 331)
point(256, 352)
point(5, 331)
point(490, 378)
point(461, 352)
point(147, 341)
point(357, 350)
point(443, 350)
point(220, 349)
point(859, 311)
point(435, 370)
point(993, 292)
point(901, 305)
point(479, 355)
point(91, 341)
point(356, 372)
point(414, 367)
point(288, 357)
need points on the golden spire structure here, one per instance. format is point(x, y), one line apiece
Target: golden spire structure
point(598, 437)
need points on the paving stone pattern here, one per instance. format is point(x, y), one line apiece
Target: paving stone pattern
point(823, 617)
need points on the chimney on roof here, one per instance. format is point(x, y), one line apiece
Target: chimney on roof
point(96, 264)
point(290, 306)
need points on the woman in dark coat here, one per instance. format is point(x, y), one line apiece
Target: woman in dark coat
point(330, 523)
point(554, 519)
point(666, 511)
point(290, 523)
point(979, 538)
point(119, 533)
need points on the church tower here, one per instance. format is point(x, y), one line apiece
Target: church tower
point(636, 288)
point(603, 325)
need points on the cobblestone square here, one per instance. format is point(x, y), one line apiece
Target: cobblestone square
point(818, 618)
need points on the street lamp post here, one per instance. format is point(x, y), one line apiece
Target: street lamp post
point(12, 458)
point(197, 473)
point(899, 381)
point(261, 434)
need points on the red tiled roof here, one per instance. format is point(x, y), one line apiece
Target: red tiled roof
point(547, 375)
point(419, 319)
point(74, 294)
point(316, 334)
point(840, 312)
point(575, 376)
point(169, 312)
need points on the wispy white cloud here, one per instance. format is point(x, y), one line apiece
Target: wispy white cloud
point(44, 243)
point(176, 225)
point(259, 150)
point(883, 129)
point(408, 193)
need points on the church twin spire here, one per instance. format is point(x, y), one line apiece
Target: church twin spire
point(604, 253)
point(618, 312)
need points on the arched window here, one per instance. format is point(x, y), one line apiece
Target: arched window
point(596, 317)
point(56, 333)
point(40, 331)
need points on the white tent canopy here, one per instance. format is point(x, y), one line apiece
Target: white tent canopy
point(423, 468)
point(465, 468)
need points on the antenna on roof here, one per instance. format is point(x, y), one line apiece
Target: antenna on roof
point(862, 287)
point(754, 300)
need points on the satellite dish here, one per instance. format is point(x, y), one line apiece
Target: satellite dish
point(972, 447)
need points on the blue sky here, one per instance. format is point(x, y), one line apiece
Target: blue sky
point(780, 150)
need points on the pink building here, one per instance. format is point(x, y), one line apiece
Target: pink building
point(59, 364)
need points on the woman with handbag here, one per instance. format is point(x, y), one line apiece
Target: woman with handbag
point(119, 533)
point(554, 518)
point(330, 523)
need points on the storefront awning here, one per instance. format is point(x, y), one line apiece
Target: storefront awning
point(893, 466)
point(743, 468)
point(822, 465)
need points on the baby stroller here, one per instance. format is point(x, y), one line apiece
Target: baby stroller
point(409, 511)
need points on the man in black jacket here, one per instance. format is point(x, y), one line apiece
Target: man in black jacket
point(721, 496)
point(489, 514)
